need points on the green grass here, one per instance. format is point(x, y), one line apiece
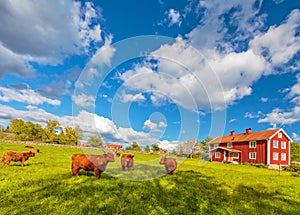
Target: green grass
point(46, 186)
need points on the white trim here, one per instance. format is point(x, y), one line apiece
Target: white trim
point(274, 156)
point(275, 141)
point(250, 156)
point(289, 152)
point(281, 130)
point(224, 156)
point(281, 156)
point(230, 144)
point(218, 156)
point(268, 151)
point(284, 144)
point(252, 141)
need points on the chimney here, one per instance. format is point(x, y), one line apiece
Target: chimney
point(232, 133)
point(248, 130)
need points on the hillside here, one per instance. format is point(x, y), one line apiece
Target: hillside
point(46, 186)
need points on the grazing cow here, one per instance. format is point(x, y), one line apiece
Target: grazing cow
point(96, 163)
point(7, 157)
point(170, 164)
point(127, 162)
point(118, 154)
point(31, 147)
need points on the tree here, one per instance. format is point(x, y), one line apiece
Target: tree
point(191, 147)
point(134, 147)
point(205, 144)
point(95, 141)
point(155, 148)
point(295, 151)
point(51, 130)
point(147, 149)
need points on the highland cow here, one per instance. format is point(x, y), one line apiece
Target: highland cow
point(96, 163)
point(7, 157)
point(127, 162)
point(170, 164)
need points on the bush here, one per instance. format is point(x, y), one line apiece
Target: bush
point(294, 174)
point(292, 168)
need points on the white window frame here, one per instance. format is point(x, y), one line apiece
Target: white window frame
point(235, 153)
point(252, 144)
point(252, 157)
point(284, 145)
point(275, 158)
point(283, 156)
point(216, 145)
point(280, 135)
point(275, 141)
point(229, 145)
point(219, 155)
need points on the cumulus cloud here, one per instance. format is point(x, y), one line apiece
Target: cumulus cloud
point(27, 96)
point(149, 125)
point(280, 43)
point(84, 100)
point(45, 33)
point(127, 97)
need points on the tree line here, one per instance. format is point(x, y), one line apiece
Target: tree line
point(53, 132)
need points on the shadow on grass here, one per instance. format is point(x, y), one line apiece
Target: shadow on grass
point(187, 192)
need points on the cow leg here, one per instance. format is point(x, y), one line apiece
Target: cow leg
point(75, 171)
point(97, 173)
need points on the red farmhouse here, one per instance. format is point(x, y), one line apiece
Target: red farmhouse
point(270, 147)
point(113, 146)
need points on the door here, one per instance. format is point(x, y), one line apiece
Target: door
point(230, 156)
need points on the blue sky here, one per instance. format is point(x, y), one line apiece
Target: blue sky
point(153, 72)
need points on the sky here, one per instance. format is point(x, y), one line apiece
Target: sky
point(154, 72)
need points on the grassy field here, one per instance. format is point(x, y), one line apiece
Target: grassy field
point(46, 186)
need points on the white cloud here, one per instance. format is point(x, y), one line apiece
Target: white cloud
point(126, 97)
point(149, 125)
point(257, 115)
point(281, 117)
point(263, 99)
point(168, 145)
point(46, 32)
point(174, 17)
point(27, 96)
point(162, 124)
point(91, 124)
point(84, 100)
point(280, 43)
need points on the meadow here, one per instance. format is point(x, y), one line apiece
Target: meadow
point(45, 186)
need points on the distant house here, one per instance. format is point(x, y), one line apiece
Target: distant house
point(270, 147)
point(113, 146)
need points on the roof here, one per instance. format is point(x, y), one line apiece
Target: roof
point(259, 135)
point(226, 149)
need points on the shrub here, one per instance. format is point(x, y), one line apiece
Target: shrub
point(293, 168)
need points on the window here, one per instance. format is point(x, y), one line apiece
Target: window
point(283, 156)
point(252, 155)
point(275, 143)
point(275, 156)
point(235, 155)
point(216, 145)
point(217, 155)
point(229, 145)
point(279, 135)
point(283, 144)
point(252, 144)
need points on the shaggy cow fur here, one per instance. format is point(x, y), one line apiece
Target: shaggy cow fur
point(127, 162)
point(170, 164)
point(96, 163)
point(7, 157)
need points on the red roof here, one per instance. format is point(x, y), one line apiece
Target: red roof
point(259, 135)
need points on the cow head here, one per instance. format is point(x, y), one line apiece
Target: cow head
point(109, 157)
point(163, 160)
point(31, 154)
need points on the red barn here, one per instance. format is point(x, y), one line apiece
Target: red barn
point(270, 147)
point(113, 146)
